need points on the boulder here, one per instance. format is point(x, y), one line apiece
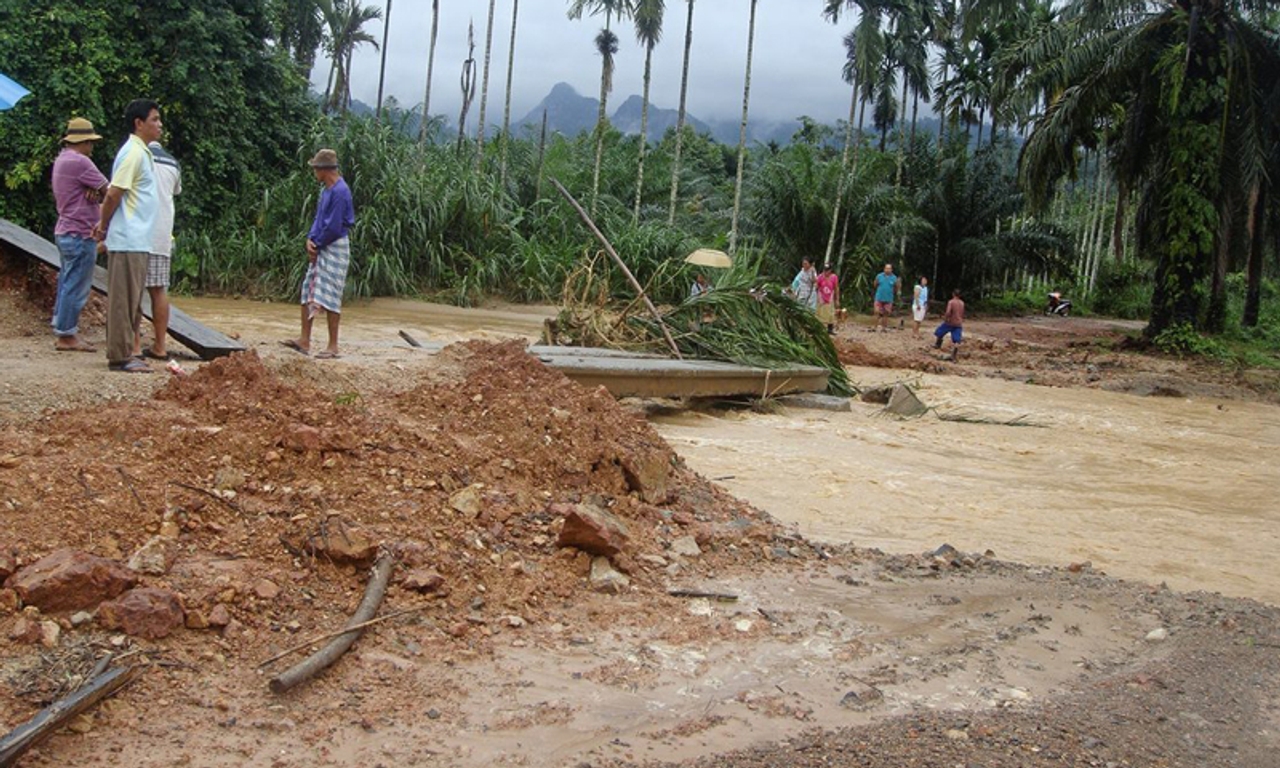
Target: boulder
point(156, 557)
point(145, 612)
point(591, 529)
point(647, 473)
point(69, 580)
point(605, 579)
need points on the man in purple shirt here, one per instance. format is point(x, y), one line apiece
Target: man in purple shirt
point(329, 252)
point(78, 187)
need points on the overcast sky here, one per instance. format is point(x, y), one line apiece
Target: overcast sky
point(796, 69)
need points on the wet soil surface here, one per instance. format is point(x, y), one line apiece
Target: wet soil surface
point(803, 653)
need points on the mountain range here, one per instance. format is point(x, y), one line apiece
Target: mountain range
point(570, 113)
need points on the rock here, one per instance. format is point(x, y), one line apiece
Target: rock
point(685, 546)
point(592, 529)
point(220, 616)
point(946, 552)
point(1156, 635)
point(156, 557)
point(8, 563)
point(228, 479)
point(1078, 567)
point(80, 618)
point(605, 579)
point(25, 631)
point(423, 580)
point(266, 589)
point(347, 544)
point(81, 724)
point(300, 437)
point(145, 612)
point(69, 580)
point(647, 474)
point(878, 395)
point(955, 734)
point(903, 402)
point(682, 518)
point(657, 561)
point(50, 632)
point(467, 501)
point(861, 698)
point(9, 602)
point(196, 620)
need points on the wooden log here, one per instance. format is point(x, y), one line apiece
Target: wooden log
point(621, 265)
point(53, 717)
point(343, 631)
point(722, 596)
point(409, 339)
point(333, 650)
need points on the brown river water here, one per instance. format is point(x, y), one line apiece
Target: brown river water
point(1173, 490)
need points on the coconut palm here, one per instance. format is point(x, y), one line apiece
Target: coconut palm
point(346, 20)
point(742, 132)
point(431, 61)
point(506, 108)
point(648, 21)
point(680, 115)
point(1186, 86)
point(484, 85)
point(382, 67)
point(607, 46)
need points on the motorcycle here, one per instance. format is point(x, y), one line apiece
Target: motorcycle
point(1058, 305)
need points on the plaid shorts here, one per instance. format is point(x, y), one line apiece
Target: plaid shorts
point(157, 271)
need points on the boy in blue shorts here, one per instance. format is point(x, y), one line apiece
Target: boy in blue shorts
point(953, 323)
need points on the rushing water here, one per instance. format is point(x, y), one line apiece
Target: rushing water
point(1159, 489)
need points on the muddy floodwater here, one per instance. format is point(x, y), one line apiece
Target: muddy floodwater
point(1174, 490)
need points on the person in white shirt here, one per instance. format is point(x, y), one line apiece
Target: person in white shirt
point(168, 184)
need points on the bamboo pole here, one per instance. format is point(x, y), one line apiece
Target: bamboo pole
point(621, 265)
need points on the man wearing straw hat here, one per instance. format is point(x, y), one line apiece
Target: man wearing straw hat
point(78, 187)
point(329, 252)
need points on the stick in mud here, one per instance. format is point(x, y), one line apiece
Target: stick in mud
point(333, 650)
point(622, 265)
point(53, 717)
point(343, 631)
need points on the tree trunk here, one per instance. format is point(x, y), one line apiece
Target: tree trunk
point(915, 113)
point(484, 86)
point(684, 91)
point(542, 153)
point(1117, 226)
point(1253, 272)
point(382, 67)
point(328, 88)
point(897, 183)
point(346, 84)
point(506, 109)
point(601, 119)
point(982, 116)
point(1215, 319)
point(742, 132)
point(942, 121)
point(844, 173)
point(644, 133)
point(431, 61)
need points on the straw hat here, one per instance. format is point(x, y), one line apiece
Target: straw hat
point(78, 130)
point(325, 158)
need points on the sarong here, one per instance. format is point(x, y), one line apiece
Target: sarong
point(325, 279)
point(827, 313)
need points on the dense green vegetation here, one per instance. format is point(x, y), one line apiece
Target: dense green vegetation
point(1123, 152)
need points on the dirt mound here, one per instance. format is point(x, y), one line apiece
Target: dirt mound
point(462, 475)
point(856, 353)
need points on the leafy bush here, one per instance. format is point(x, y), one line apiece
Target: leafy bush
point(1123, 290)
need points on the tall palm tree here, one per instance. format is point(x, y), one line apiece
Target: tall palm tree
point(1186, 84)
point(484, 85)
point(680, 115)
point(431, 62)
point(648, 20)
point(506, 108)
point(607, 46)
point(346, 20)
point(742, 131)
point(864, 47)
point(382, 67)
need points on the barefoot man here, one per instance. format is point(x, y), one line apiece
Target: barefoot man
point(329, 251)
point(887, 289)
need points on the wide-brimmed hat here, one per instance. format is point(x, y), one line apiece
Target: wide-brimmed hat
point(78, 130)
point(325, 158)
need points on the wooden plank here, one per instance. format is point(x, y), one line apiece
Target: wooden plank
point(204, 341)
point(58, 714)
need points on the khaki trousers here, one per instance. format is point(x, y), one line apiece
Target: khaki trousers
point(126, 275)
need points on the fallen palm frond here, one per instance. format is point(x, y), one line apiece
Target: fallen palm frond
point(743, 320)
